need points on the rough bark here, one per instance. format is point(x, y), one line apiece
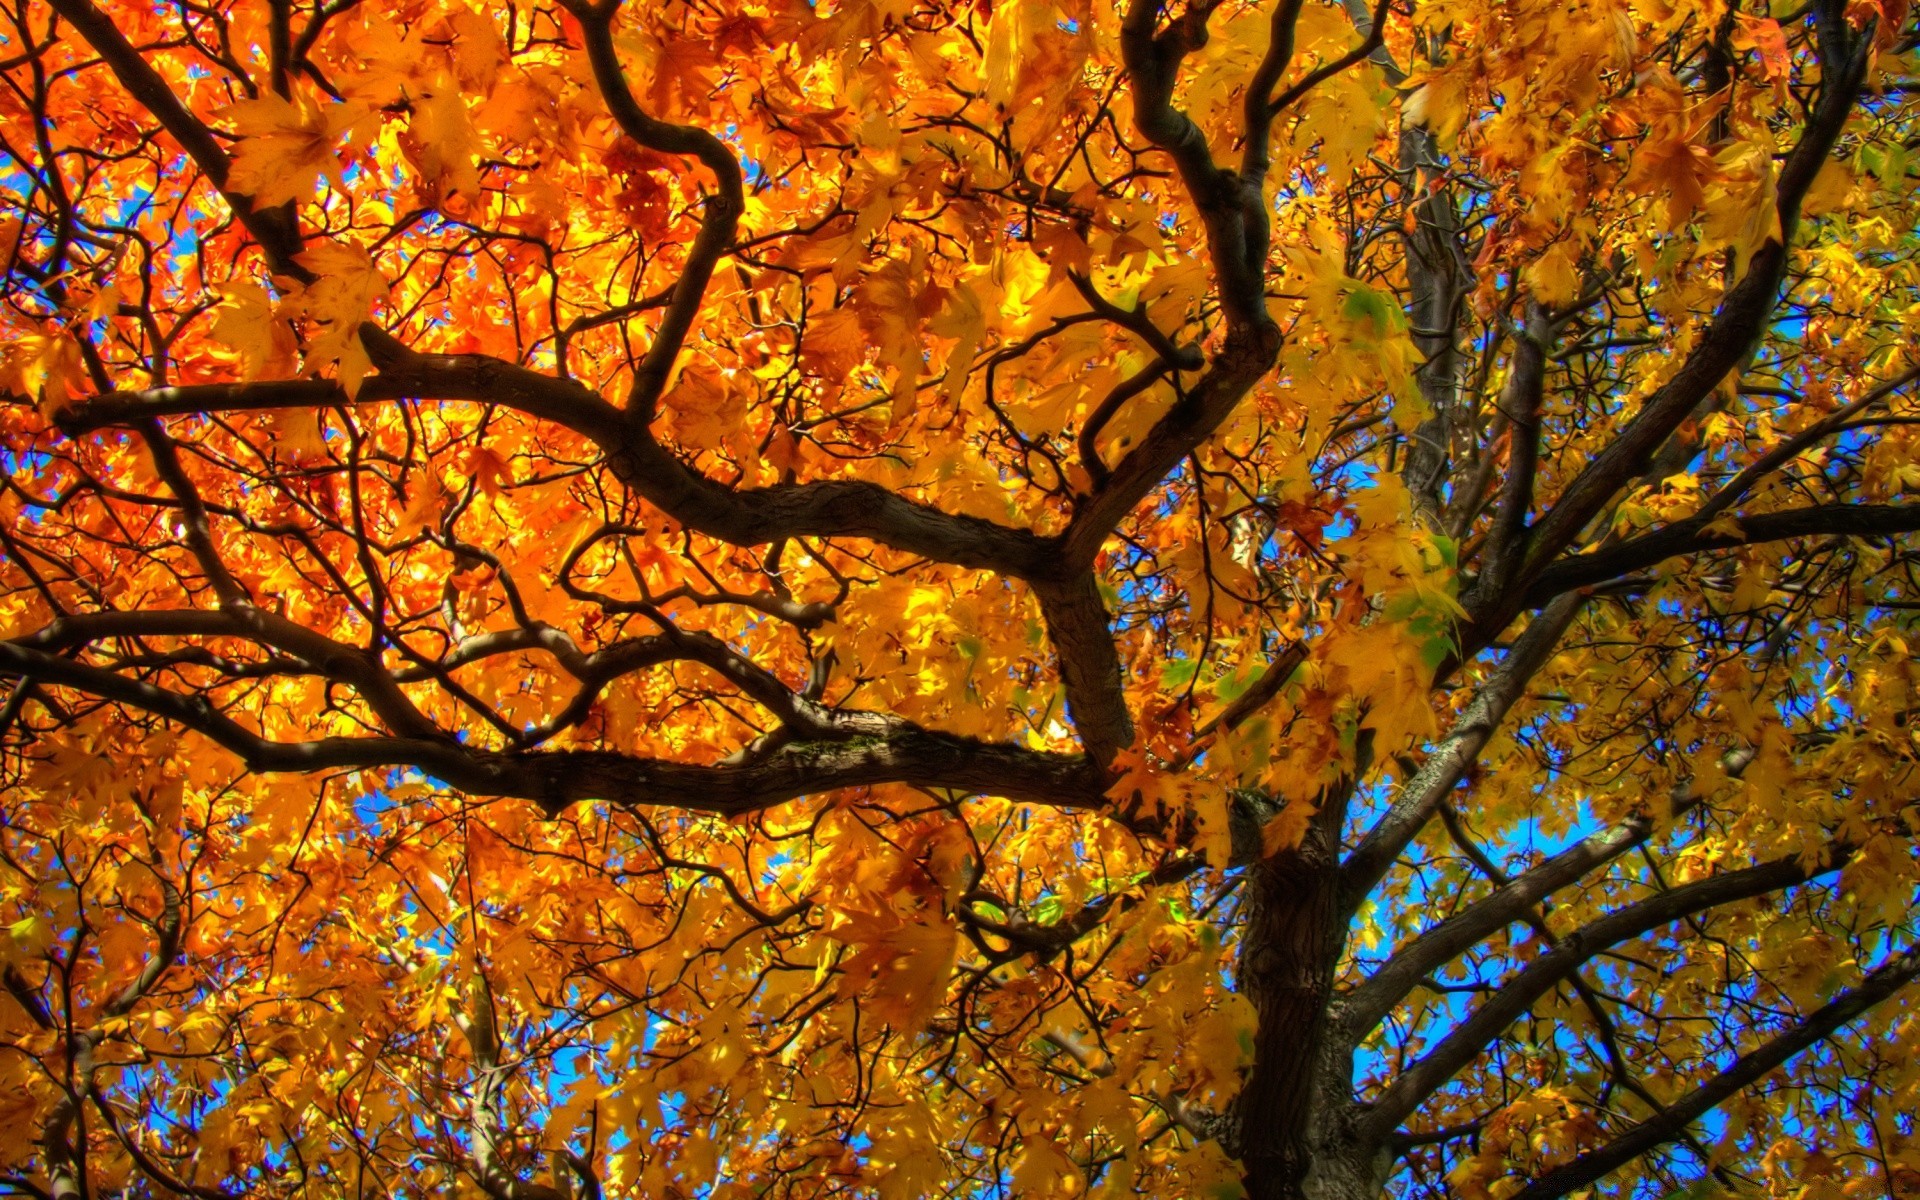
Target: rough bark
point(1292, 941)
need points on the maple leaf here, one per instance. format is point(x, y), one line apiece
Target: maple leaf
point(1764, 36)
point(245, 320)
point(1678, 168)
point(337, 301)
point(288, 144)
point(443, 143)
point(43, 366)
point(901, 965)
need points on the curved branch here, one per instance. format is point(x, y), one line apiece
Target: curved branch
point(1376, 36)
point(336, 660)
point(1047, 941)
point(746, 517)
point(1721, 347)
point(807, 615)
point(1104, 412)
point(149, 1166)
point(1233, 212)
point(1232, 209)
point(1246, 357)
point(1257, 118)
point(1153, 66)
point(1090, 668)
point(404, 375)
point(1135, 321)
point(197, 530)
point(743, 517)
point(717, 225)
point(361, 670)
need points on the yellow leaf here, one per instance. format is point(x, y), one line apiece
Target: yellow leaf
point(245, 320)
point(286, 145)
point(338, 301)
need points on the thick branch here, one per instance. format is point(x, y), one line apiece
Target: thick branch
point(556, 779)
point(1520, 404)
point(1247, 356)
point(1153, 67)
point(1233, 210)
point(743, 517)
point(1695, 536)
point(1724, 345)
point(275, 229)
point(826, 508)
point(489, 1139)
point(404, 375)
point(1369, 1003)
point(1257, 120)
point(1089, 665)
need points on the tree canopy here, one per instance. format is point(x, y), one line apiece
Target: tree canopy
point(897, 598)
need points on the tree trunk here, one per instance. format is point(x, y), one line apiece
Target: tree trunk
point(1291, 944)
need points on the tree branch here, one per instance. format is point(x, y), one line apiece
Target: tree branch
point(1090, 667)
point(1449, 762)
point(1244, 359)
point(488, 1138)
point(1257, 120)
point(1370, 1002)
point(1724, 344)
point(336, 660)
point(1232, 209)
point(717, 224)
point(1506, 544)
point(557, 778)
point(1077, 621)
point(275, 229)
point(1376, 35)
point(1694, 535)
point(1671, 1122)
point(742, 517)
point(198, 531)
point(1785, 452)
point(1517, 996)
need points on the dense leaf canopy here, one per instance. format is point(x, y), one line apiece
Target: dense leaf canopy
point(899, 598)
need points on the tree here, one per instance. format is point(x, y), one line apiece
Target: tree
point(900, 598)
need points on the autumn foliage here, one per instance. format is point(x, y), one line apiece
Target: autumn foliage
point(900, 598)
